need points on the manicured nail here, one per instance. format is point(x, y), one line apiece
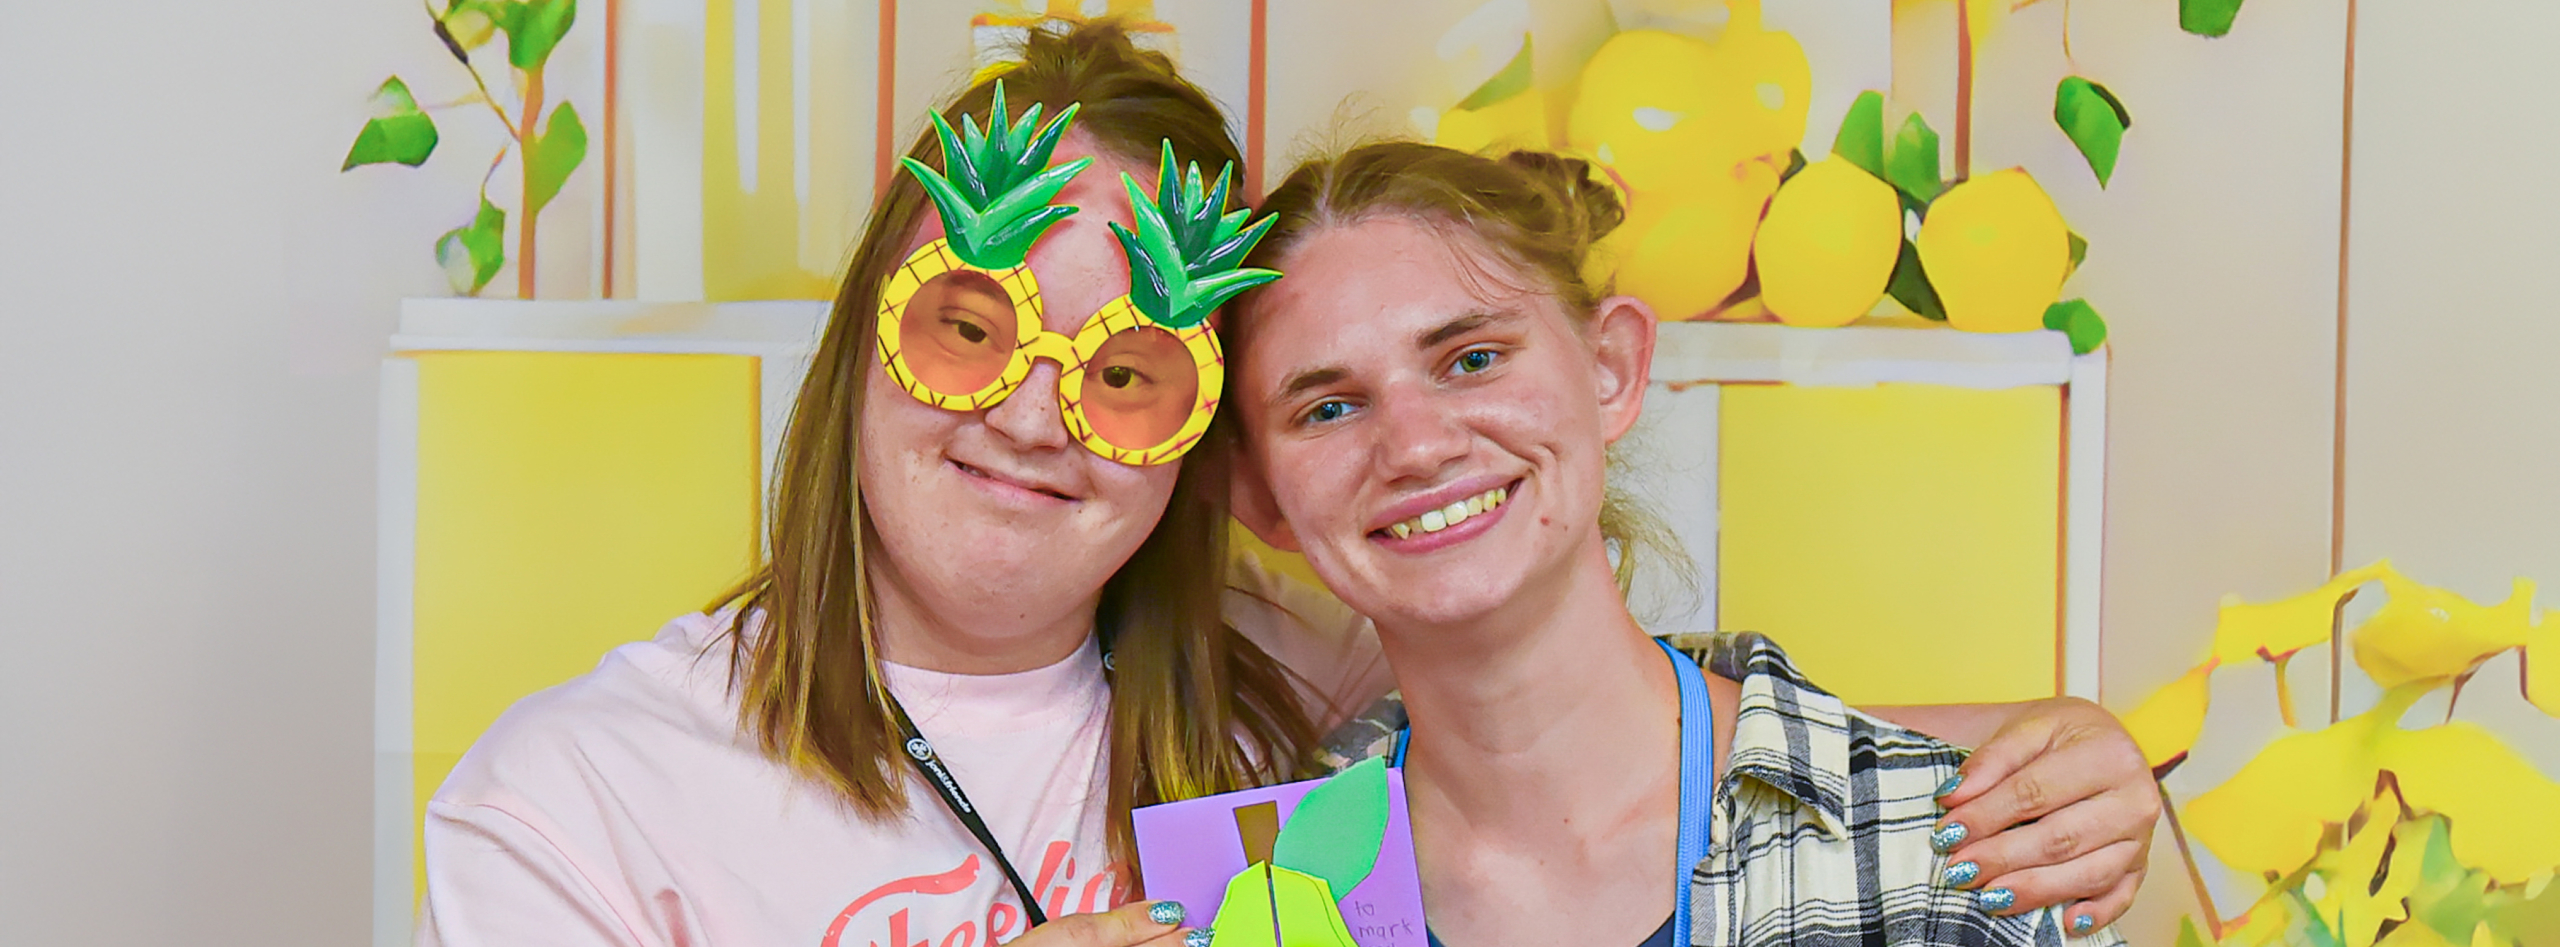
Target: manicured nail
point(1167, 913)
point(1996, 899)
point(2082, 924)
point(1947, 837)
point(1961, 874)
point(1948, 788)
point(1198, 938)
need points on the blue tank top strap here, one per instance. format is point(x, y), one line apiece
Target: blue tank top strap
point(1697, 785)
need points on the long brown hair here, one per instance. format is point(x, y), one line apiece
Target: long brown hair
point(1195, 708)
point(1537, 213)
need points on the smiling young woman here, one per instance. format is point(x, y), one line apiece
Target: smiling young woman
point(1429, 402)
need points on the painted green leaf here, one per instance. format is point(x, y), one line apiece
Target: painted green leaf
point(472, 254)
point(2079, 251)
point(1910, 285)
point(1861, 138)
point(2094, 120)
point(398, 133)
point(561, 146)
point(1911, 163)
point(1515, 78)
point(1335, 832)
point(2079, 320)
point(534, 28)
point(2207, 17)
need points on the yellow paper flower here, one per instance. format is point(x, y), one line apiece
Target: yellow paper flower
point(2503, 816)
point(2166, 725)
point(2429, 633)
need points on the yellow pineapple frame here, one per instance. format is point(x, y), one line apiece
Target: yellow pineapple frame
point(1034, 341)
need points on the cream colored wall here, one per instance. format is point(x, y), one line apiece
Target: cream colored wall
point(192, 305)
point(2453, 399)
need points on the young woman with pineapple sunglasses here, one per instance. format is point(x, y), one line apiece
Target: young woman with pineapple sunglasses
point(995, 608)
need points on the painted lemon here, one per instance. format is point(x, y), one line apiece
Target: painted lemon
point(1827, 248)
point(1996, 250)
point(1685, 251)
point(1649, 107)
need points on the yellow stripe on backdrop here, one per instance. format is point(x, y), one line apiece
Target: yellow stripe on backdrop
point(567, 503)
point(1899, 540)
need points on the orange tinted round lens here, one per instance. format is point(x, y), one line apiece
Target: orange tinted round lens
point(1140, 388)
point(958, 332)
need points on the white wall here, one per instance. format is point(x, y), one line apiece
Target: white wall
point(192, 303)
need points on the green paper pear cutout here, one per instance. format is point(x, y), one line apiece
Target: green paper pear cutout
point(1335, 832)
point(1289, 909)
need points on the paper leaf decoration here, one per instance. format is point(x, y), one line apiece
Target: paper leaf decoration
point(471, 255)
point(2428, 633)
point(534, 28)
point(1335, 832)
point(2079, 320)
point(2079, 251)
point(398, 132)
point(1861, 138)
point(1911, 163)
point(2094, 120)
point(2207, 17)
point(2542, 653)
point(555, 153)
point(2167, 723)
point(2270, 815)
point(1910, 286)
point(2505, 815)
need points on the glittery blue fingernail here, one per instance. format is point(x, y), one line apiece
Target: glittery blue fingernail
point(1996, 899)
point(1198, 938)
point(1961, 874)
point(2083, 923)
point(1947, 837)
point(1167, 913)
point(1948, 788)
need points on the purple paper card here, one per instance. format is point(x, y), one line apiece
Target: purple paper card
point(1189, 851)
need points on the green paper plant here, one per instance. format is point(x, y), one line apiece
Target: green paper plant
point(1183, 256)
point(403, 132)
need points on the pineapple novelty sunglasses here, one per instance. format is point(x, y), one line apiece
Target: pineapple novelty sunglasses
point(960, 320)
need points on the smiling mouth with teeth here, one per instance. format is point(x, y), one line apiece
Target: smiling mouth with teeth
point(1455, 513)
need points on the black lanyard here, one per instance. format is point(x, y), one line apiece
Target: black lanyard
point(920, 751)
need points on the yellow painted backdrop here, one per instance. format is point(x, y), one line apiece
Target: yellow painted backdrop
point(1901, 541)
point(567, 503)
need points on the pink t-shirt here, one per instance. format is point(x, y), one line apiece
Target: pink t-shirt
point(625, 807)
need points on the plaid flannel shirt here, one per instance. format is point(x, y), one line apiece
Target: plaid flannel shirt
point(1820, 834)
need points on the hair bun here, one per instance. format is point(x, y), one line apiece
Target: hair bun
point(1579, 187)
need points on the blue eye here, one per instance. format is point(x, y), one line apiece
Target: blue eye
point(1330, 410)
point(1475, 360)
